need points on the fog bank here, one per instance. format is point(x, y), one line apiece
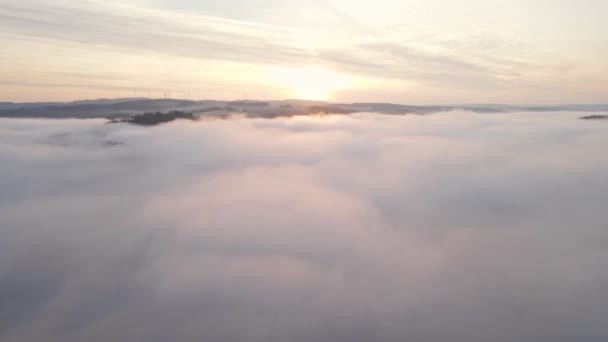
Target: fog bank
point(455, 227)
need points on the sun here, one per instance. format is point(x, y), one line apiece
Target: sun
point(310, 83)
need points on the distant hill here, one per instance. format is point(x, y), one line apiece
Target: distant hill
point(594, 117)
point(102, 108)
point(151, 119)
point(329, 110)
point(123, 108)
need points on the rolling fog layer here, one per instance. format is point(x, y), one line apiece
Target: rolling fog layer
point(450, 227)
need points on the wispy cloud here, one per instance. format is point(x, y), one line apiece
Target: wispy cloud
point(109, 30)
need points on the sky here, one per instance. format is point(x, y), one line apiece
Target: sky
point(402, 51)
point(452, 227)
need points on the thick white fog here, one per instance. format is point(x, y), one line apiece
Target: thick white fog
point(454, 227)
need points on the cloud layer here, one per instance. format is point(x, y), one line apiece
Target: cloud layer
point(449, 227)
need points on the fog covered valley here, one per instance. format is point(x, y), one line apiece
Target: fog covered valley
point(455, 226)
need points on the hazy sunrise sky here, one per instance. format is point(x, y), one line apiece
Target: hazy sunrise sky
point(405, 51)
